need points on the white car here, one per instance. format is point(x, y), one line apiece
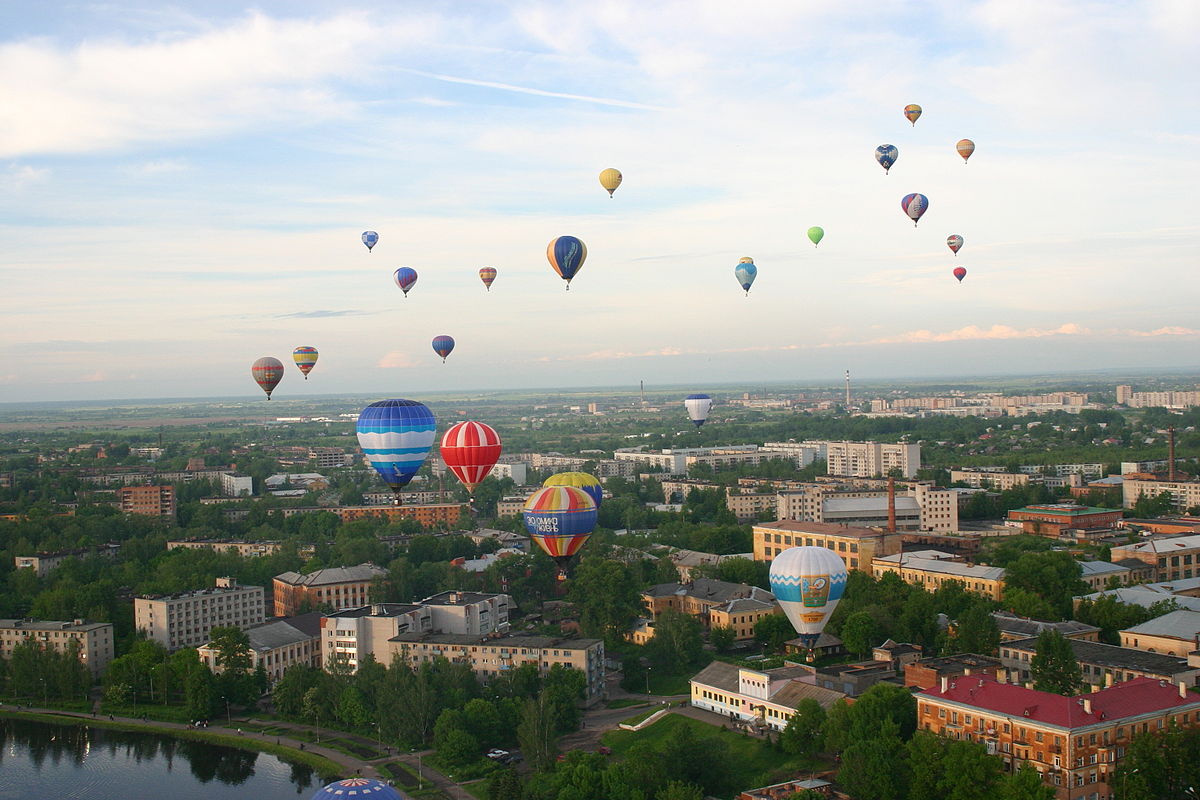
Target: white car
point(496, 755)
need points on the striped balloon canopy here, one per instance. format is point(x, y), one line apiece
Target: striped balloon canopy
point(566, 255)
point(267, 373)
point(405, 278)
point(560, 519)
point(443, 345)
point(697, 406)
point(395, 436)
point(470, 450)
point(965, 147)
point(580, 480)
point(912, 113)
point(487, 275)
point(305, 358)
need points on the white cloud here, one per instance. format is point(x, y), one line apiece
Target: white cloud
point(397, 359)
point(18, 177)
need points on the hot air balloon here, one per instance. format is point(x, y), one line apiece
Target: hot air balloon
point(560, 519)
point(580, 480)
point(305, 358)
point(815, 235)
point(610, 179)
point(914, 206)
point(960, 273)
point(697, 406)
point(443, 345)
point(886, 155)
point(965, 147)
point(395, 436)
point(954, 242)
point(808, 582)
point(359, 789)
point(566, 254)
point(267, 372)
point(912, 112)
point(370, 239)
point(487, 275)
point(406, 278)
point(470, 450)
point(746, 272)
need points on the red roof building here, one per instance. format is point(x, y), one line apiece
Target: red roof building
point(1074, 742)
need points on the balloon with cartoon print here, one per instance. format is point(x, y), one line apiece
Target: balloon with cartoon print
point(886, 155)
point(443, 345)
point(912, 112)
point(405, 278)
point(745, 272)
point(808, 583)
point(395, 436)
point(698, 406)
point(965, 147)
point(566, 255)
point(267, 373)
point(305, 358)
point(370, 239)
point(960, 273)
point(954, 242)
point(914, 205)
point(487, 275)
point(560, 520)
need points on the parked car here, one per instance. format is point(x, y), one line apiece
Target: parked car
point(496, 754)
point(604, 750)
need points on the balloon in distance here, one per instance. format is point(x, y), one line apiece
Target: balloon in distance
point(954, 242)
point(443, 345)
point(566, 255)
point(912, 113)
point(370, 239)
point(267, 373)
point(915, 206)
point(745, 272)
point(815, 235)
point(488, 276)
point(698, 406)
point(305, 358)
point(960, 273)
point(965, 147)
point(610, 179)
point(886, 155)
point(405, 278)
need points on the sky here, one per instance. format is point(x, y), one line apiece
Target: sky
point(183, 188)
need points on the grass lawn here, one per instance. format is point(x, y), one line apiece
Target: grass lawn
point(669, 684)
point(636, 718)
point(478, 789)
point(625, 702)
point(752, 762)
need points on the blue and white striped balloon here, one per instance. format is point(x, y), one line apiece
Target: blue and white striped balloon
point(808, 582)
point(395, 436)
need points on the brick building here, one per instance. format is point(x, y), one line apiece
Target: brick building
point(153, 501)
point(856, 546)
point(337, 587)
point(1054, 518)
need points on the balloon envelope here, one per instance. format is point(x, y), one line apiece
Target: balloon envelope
point(954, 242)
point(395, 436)
point(560, 519)
point(697, 406)
point(808, 582)
point(470, 450)
point(580, 480)
point(746, 272)
point(305, 358)
point(610, 179)
point(960, 273)
point(443, 345)
point(370, 239)
point(815, 235)
point(914, 206)
point(487, 275)
point(886, 155)
point(405, 278)
point(267, 373)
point(965, 147)
point(566, 255)
point(912, 112)
point(359, 789)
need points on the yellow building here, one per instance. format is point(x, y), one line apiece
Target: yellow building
point(857, 546)
point(931, 573)
point(1174, 634)
point(95, 639)
point(714, 603)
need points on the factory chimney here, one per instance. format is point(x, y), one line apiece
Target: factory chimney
point(847, 390)
point(642, 389)
point(891, 505)
point(1171, 453)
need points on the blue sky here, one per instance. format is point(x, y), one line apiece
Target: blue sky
point(183, 188)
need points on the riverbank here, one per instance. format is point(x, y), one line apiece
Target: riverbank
point(328, 768)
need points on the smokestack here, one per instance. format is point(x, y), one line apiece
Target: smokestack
point(891, 505)
point(642, 389)
point(1171, 453)
point(847, 390)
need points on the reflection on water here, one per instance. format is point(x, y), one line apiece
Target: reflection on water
point(103, 764)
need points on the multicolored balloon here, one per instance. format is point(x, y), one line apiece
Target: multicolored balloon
point(580, 480)
point(487, 275)
point(746, 272)
point(815, 235)
point(560, 519)
point(267, 373)
point(914, 206)
point(405, 278)
point(370, 239)
point(395, 436)
point(954, 242)
point(305, 358)
point(697, 406)
point(566, 255)
point(610, 179)
point(366, 788)
point(912, 112)
point(808, 582)
point(470, 450)
point(886, 155)
point(965, 147)
point(443, 345)
point(960, 273)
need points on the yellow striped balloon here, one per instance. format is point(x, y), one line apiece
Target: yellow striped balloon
point(610, 179)
point(305, 358)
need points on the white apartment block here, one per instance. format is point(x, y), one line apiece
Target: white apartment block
point(1184, 493)
point(95, 639)
point(936, 508)
point(235, 484)
point(992, 479)
point(869, 459)
point(516, 471)
point(803, 453)
point(185, 620)
point(328, 457)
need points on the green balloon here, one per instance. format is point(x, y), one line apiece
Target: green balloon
point(815, 235)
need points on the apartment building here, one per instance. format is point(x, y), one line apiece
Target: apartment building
point(241, 548)
point(869, 459)
point(43, 564)
point(185, 619)
point(277, 645)
point(1171, 558)
point(235, 484)
point(1102, 664)
point(94, 639)
point(751, 506)
point(430, 515)
point(1185, 492)
point(857, 546)
point(1098, 574)
point(803, 453)
point(474, 613)
point(932, 573)
point(516, 471)
point(927, 672)
point(329, 457)
point(337, 587)
point(992, 479)
point(1076, 743)
point(153, 501)
point(919, 504)
point(714, 603)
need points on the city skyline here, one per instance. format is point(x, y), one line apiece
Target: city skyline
point(185, 190)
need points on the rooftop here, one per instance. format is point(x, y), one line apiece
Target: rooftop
point(1129, 699)
point(1163, 546)
point(1145, 597)
point(1110, 655)
point(725, 677)
point(279, 633)
point(458, 598)
point(1092, 568)
point(332, 575)
point(532, 642)
point(710, 589)
point(821, 529)
point(956, 663)
point(1182, 624)
point(376, 610)
point(954, 568)
point(932, 555)
point(52, 625)
point(1064, 509)
point(1024, 627)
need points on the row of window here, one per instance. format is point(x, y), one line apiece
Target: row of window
point(808, 540)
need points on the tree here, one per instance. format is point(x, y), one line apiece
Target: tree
point(1024, 784)
point(677, 642)
point(1160, 765)
point(1054, 668)
point(505, 784)
point(608, 597)
point(881, 705)
point(773, 631)
point(859, 633)
point(721, 637)
point(802, 735)
point(1053, 576)
point(459, 748)
point(836, 730)
point(873, 768)
point(537, 730)
point(678, 790)
point(977, 631)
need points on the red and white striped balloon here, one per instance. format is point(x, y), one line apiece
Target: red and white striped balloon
point(470, 450)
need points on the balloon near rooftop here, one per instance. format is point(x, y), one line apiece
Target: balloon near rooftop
point(397, 435)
